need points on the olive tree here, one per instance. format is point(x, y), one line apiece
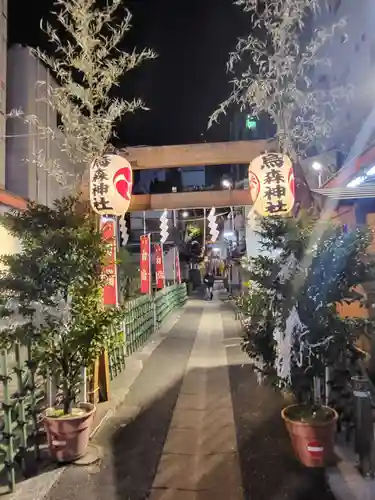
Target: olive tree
point(87, 64)
point(273, 70)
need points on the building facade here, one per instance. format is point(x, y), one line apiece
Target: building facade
point(3, 76)
point(9, 244)
point(29, 154)
point(352, 64)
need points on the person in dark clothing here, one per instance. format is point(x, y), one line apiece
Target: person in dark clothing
point(209, 280)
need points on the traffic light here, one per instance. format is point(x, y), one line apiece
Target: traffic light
point(251, 122)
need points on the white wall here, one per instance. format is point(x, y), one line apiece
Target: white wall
point(3, 69)
point(8, 244)
point(24, 178)
point(253, 248)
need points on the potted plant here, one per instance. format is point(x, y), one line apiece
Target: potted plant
point(55, 284)
point(293, 329)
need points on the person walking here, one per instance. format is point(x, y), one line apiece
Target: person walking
point(209, 280)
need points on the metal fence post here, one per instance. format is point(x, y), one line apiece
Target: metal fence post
point(154, 314)
point(364, 434)
point(83, 386)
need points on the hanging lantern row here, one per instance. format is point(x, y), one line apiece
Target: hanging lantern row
point(214, 233)
point(271, 183)
point(164, 227)
point(111, 182)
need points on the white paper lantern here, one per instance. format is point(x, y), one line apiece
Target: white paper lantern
point(271, 183)
point(111, 183)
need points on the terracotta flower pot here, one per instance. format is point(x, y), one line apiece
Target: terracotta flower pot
point(313, 443)
point(68, 437)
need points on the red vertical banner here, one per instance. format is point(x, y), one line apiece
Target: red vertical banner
point(108, 229)
point(177, 270)
point(159, 266)
point(145, 266)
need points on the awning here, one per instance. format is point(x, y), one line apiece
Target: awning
point(347, 193)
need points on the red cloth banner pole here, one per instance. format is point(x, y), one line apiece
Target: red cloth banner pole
point(159, 266)
point(177, 266)
point(108, 229)
point(145, 264)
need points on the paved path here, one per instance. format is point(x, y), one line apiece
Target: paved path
point(204, 429)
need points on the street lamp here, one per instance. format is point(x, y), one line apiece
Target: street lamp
point(185, 214)
point(228, 234)
point(226, 183)
point(318, 168)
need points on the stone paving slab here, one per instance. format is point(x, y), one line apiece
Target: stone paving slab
point(132, 447)
point(345, 480)
point(202, 429)
point(203, 457)
point(171, 494)
point(269, 468)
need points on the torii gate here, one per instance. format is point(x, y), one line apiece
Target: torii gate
point(191, 155)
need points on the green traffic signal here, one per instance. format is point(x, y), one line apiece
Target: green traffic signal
point(251, 122)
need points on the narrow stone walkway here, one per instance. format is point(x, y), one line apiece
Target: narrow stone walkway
point(200, 458)
point(203, 429)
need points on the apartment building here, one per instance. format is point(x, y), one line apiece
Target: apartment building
point(352, 56)
point(29, 154)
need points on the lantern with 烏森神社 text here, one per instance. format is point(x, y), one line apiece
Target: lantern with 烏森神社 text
point(111, 182)
point(271, 183)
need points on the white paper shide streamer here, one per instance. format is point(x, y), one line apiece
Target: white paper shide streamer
point(285, 340)
point(288, 268)
point(124, 233)
point(164, 233)
point(214, 232)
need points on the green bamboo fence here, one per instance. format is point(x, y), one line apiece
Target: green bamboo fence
point(22, 400)
point(23, 391)
point(143, 316)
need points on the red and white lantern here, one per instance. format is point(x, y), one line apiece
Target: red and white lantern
point(111, 182)
point(271, 183)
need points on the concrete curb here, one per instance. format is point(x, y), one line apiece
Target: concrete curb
point(121, 385)
point(345, 480)
point(38, 487)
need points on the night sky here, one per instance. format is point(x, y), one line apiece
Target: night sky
point(186, 82)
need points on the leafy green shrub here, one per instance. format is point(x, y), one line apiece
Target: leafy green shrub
point(55, 286)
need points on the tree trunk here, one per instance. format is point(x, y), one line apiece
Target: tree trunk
point(67, 395)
